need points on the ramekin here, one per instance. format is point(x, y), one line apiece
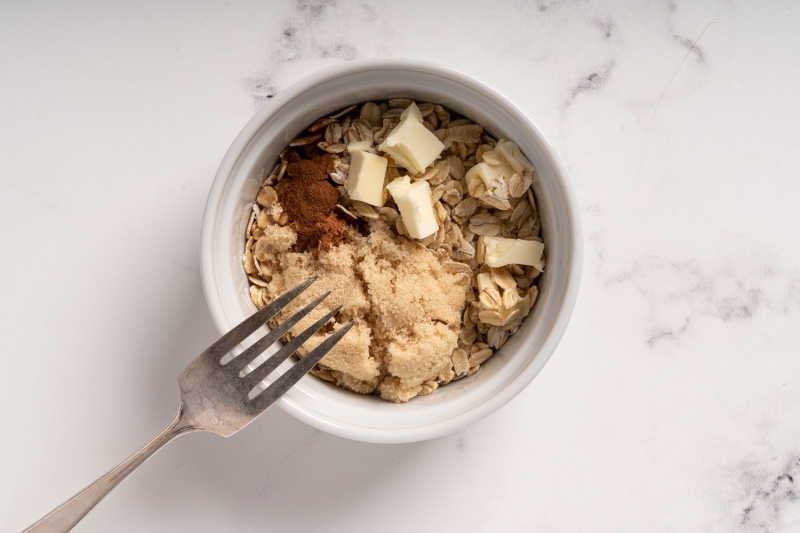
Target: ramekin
point(255, 151)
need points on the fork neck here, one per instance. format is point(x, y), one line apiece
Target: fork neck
point(180, 424)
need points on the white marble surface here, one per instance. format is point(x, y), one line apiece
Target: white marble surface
point(672, 403)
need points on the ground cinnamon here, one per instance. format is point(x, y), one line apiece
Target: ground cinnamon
point(309, 199)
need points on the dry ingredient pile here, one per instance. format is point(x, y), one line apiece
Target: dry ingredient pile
point(423, 227)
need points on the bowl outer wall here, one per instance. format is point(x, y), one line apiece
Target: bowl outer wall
point(298, 399)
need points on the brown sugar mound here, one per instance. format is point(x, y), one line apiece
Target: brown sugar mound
point(406, 307)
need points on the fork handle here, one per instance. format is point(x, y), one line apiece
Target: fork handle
point(73, 510)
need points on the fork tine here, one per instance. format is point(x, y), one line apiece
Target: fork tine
point(255, 321)
point(246, 357)
point(258, 374)
point(279, 387)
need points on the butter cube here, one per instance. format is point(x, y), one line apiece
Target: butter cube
point(490, 174)
point(501, 252)
point(514, 157)
point(398, 156)
point(365, 181)
point(412, 111)
point(485, 281)
point(411, 144)
point(513, 161)
point(523, 306)
point(415, 202)
point(360, 146)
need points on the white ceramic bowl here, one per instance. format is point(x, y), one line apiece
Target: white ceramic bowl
point(255, 150)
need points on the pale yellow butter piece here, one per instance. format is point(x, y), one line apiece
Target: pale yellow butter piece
point(411, 144)
point(522, 305)
point(360, 146)
point(413, 112)
point(365, 181)
point(490, 174)
point(397, 154)
point(416, 206)
point(513, 156)
point(501, 252)
point(485, 281)
point(513, 161)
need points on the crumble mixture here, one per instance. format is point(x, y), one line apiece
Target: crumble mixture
point(426, 311)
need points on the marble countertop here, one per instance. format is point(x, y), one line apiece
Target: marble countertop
point(672, 403)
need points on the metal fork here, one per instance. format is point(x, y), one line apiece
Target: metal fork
point(215, 397)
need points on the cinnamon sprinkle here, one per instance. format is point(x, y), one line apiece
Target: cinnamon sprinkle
point(309, 198)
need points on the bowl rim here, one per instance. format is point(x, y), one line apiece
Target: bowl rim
point(503, 396)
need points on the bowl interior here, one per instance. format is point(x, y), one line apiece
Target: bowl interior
point(458, 403)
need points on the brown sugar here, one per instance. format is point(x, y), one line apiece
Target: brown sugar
point(407, 310)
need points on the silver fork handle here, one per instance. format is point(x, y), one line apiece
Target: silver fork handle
point(65, 517)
